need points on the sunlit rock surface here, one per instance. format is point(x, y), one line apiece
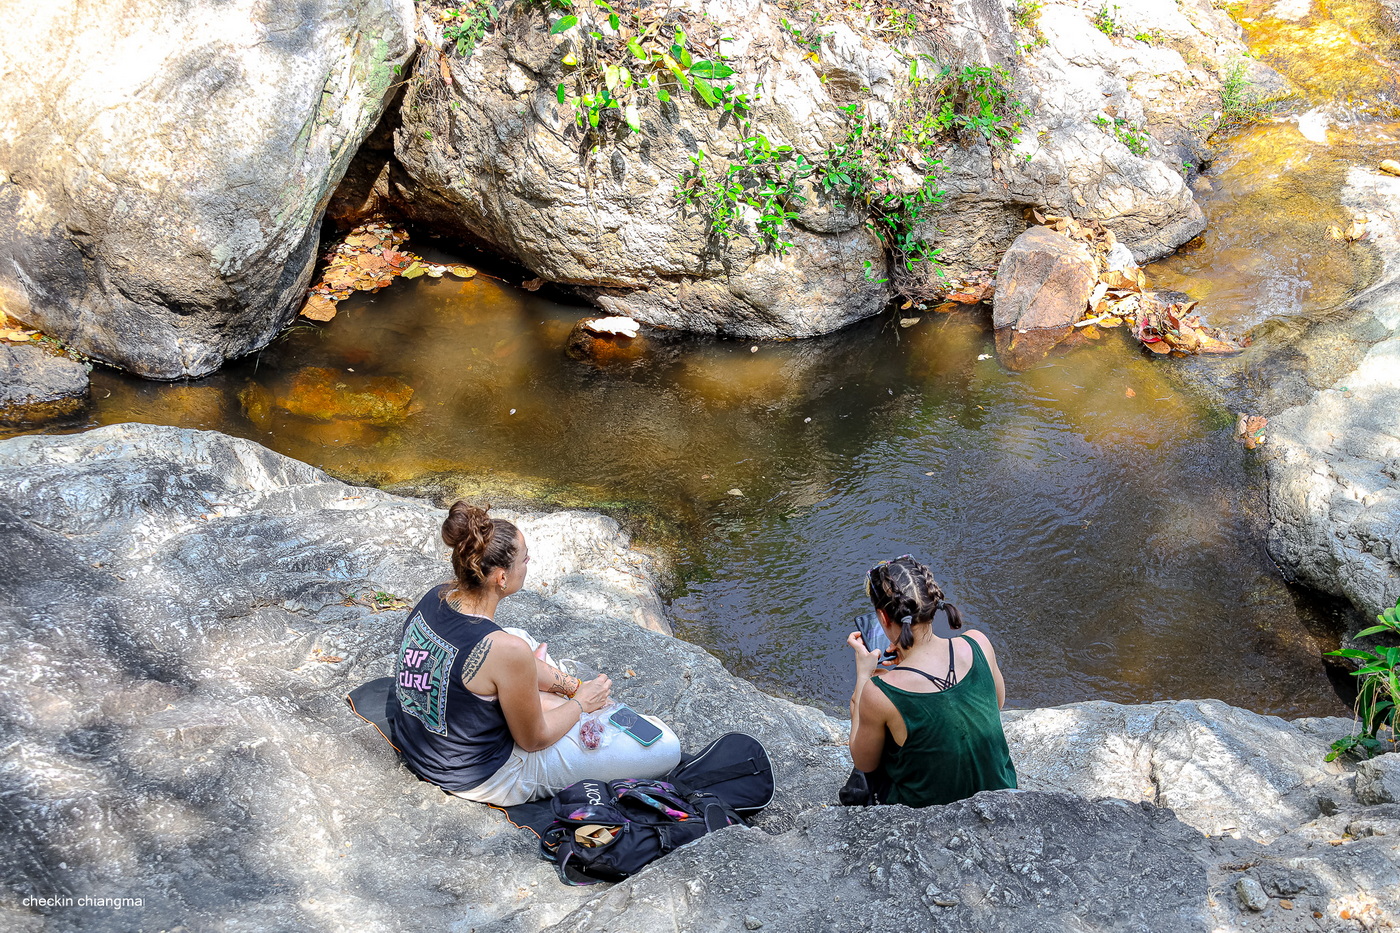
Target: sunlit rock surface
point(486, 148)
point(1334, 462)
point(164, 168)
point(182, 611)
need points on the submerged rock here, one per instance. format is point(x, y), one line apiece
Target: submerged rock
point(36, 386)
point(165, 168)
point(219, 598)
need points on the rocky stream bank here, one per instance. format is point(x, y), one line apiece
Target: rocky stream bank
point(182, 612)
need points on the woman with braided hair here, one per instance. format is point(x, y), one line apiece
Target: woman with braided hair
point(929, 729)
point(481, 710)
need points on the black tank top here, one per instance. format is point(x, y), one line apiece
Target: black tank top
point(448, 735)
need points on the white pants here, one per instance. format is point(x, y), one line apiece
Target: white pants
point(530, 776)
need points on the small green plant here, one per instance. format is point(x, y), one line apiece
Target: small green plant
point(1151, 37)
point(613, 76)
point(1104, 20)
point(1239, 104)
point(1378, 694)
point(760, 184)
point(806, 36)
point(1025, 16)
point(468, 24)
point(1130, 135)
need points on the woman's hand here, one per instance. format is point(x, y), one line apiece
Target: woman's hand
point(866, 661)
point(593, 694)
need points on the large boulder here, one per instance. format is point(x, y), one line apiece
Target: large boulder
point(164, 168)
point(36, 386)
point(219, 598)
point(1043, 287)
point(1334, 460)
point(488, 149)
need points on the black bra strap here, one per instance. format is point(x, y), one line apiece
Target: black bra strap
point(942, 683)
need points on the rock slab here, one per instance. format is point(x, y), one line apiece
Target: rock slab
point(164, 168)
point(218, 599)
point(36, 386)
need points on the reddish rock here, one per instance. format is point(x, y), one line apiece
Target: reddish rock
point(1043, 287)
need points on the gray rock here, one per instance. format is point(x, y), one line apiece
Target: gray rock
point(163, 200)
point(486, 149)
point(1251, 894)
point(181, 612)
point(991, 859)
point(37, 386)
point(1334, 461)
point(1221, 769)
point(1378, 780)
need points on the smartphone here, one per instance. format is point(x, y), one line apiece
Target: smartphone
point(631, 722)
point(873, 634)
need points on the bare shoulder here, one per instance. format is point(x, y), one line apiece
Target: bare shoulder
point(981, 639)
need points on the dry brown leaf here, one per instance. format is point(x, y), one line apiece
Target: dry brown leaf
point(1159, 347)
point(532, 285)
point(909, 321)
point(1128, 392)
point(363, 240)
point(318, 308)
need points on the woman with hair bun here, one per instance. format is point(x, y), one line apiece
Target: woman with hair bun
point(480, 710)
point(929, 730)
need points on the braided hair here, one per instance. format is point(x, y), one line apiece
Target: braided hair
point(906, 591)
point(479, 543)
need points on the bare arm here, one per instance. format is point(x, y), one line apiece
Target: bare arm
point(552, 680)
point(867, 740)
point(513, 669)
point(991, 654)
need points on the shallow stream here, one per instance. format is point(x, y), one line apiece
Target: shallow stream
point(1093, 514)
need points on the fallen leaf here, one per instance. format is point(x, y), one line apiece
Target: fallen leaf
point(363, 240)
point(736, 492)
point(909, 321)
point(1391, 166)
point(1285, 903)
point(532, 285)
point(462, 272)
point(413, 271)
point(318, 308)
point(1129, 393)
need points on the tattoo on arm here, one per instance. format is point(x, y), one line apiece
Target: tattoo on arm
point(561, 684)
point(472, 665)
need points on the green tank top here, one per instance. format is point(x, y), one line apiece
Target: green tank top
point(955, 747)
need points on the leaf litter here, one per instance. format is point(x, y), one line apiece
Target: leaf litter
point(1121, 298)
point(367, 259)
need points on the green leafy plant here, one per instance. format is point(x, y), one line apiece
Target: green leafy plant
point(1378, 694)
point(1104, 20)
point(1239, 103)
point(978, 98)
point(1130, 135)
point(761, 184)
point(1025, 15)
point(467, 26)
point(808, 37)
point(613, 76)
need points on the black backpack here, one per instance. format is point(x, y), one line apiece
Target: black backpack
point(606, 831)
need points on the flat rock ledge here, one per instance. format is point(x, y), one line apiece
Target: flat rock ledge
point(182, 612)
